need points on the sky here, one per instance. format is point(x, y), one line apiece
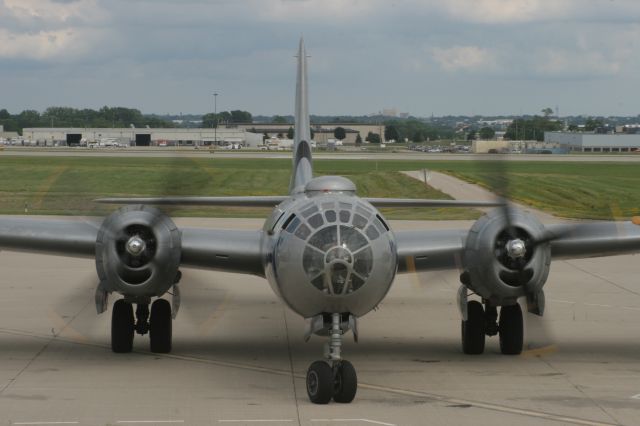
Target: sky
point(424, 57)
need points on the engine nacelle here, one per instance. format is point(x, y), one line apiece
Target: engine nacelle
point(138, 252)
point(502, 265)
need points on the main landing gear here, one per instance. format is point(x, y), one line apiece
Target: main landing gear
point(483, 321)
point(333, 379)
point(157, 323)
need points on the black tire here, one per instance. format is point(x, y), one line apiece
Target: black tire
point(160, 330)
point(345, 383)
point(473, 329)
point(511, 330)
point(122, 324)
point(320, 382)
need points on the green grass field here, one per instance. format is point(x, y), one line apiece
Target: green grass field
point(67, 185)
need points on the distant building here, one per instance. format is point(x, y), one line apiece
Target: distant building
point(250, 135)
point(140, 137)
point(592, 142)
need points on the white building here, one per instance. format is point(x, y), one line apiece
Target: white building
point(592, 142)
point(142, 136)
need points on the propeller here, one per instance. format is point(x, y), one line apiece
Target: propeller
point(74, 313)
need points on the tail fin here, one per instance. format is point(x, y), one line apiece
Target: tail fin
point(302, 163)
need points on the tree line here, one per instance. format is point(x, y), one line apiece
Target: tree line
point(212, 120)
point(72, 117)
point(415, 131)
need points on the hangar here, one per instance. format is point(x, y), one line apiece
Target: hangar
point(71, 136)
point(594, 142)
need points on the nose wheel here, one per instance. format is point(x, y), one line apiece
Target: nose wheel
point(335, 378)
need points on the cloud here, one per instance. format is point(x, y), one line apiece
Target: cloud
point(562, 63)
point(492, 12)
point(464, 58)
point(40, 45)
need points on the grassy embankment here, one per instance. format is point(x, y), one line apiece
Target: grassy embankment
point(60, 185)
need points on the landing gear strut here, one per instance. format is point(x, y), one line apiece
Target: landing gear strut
point(157, 323)
point(336, 378)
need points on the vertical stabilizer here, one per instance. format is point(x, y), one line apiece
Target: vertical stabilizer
point(302, 166)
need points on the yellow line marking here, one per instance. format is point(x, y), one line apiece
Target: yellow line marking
point(545, 350)
point(46, 185)
point(217, 313)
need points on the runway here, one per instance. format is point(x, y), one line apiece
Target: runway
point(239, 357)
point(155, 152)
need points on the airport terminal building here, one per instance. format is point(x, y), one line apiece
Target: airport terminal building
point(593, 142)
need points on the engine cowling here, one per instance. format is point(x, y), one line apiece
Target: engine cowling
point(503, 260)
point(138, 252)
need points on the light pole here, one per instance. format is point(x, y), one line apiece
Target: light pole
point(215, 117)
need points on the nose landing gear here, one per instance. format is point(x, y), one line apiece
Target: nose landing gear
point(335, 378)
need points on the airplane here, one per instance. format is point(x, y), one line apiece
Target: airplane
point(328, 254)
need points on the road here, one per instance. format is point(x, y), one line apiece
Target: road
point(239, 356)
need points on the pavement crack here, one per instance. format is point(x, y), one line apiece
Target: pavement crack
point(50, 340)
point(579, 390)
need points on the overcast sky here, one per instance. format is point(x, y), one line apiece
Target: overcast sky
point(418, 56)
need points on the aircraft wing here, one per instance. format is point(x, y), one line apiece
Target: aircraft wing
point(274, 200)
point(70, 237)
point(444, 249)
point(217, 249)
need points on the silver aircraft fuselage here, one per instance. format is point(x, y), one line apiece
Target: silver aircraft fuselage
point(329, 251)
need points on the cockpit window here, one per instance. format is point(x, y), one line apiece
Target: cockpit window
point(338, 259)
point(303, 232)
point(316, 220)
point(288, 222)
point(363, 262)
point(330, 215)
point(345, 216)
point(325, 238)
point(313, 262)
point(372, 232)
point(363, 211)
point(382, 222)
point(359, 221)
point(311, 210)
point(328, 206)
point(351, 238)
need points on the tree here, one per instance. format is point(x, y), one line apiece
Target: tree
point(373, 137)
point(391, 133)
point(265, 137)
point(4, 114)
point(290, 133)
point(278, 119)
point(471, 135)
point(238, 116)
point(593, 123)
point(531, 129)
point(210, 120)
point(547, 112)
point(358, 139)
point(487, 133)
point(418, 136)
point(339, 133)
